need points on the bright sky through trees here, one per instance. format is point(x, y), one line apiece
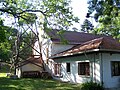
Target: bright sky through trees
point(79, 10)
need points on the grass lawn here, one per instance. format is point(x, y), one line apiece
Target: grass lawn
point(34, 84)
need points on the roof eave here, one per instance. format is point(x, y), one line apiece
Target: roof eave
point(88, 51)
point(69, 43)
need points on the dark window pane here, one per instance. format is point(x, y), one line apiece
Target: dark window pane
point(57, 69)
point(83, 68)
point(115, 68)
point(68, 67)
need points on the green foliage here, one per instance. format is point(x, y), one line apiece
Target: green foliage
point(27, 18)
point(5, 68)
point(24, 49)
point(87, 26)
point(2, 32)
point(55, 12)
point(104, 8)
point(5, 52)
point(60, 13)
point(107, 13)
point(91, 86)
point(25, 13)
point(7, 42)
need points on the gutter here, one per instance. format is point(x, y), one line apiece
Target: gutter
point(83, 52)
point(101, 56)
point(94, 50)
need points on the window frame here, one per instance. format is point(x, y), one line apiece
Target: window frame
point(115, 68)
point(68, 68)
point(84, 68)
point(57, 69)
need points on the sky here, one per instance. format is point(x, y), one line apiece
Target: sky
point(79, 10)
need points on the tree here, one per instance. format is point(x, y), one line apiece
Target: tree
point(46, 14)
point(56, 13)
point(87, 26)
point(107, 13)
point(2, 31)
point(7, 43)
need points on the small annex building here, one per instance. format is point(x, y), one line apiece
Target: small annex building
point(96, 60)
point(32, 67)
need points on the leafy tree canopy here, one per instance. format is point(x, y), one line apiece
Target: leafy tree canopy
point(107, 13)
point(54, 14)
point(87, 26)
point(7, 41)
point(57, 13)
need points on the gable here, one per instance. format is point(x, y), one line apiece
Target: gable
point(31, 60)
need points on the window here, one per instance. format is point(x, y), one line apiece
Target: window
point(68, 67)
point(57, 69)
point(83, 68)
point(115, 68)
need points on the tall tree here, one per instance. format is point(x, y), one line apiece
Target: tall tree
point(107, 13)
point(87, 26)
point(52, 14)
point(56, 13)
point(7, 43)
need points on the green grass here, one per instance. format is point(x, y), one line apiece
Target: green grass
point(34, 84)
point(2, 75)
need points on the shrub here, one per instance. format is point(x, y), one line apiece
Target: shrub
point(91, 86)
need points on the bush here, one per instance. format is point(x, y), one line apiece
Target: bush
point(91, 86)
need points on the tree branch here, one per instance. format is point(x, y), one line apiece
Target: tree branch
point(32, 11)
point(9, 11)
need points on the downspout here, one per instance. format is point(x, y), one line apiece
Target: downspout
point(101, 69)
point(94, 69)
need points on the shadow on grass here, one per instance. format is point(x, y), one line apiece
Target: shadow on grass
point(35, 84)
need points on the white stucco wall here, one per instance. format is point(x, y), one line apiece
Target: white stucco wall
point(96, 67)
point(37, 49)
point(53, 48)
point(73, 76)
point(100, 71)
point(28, 67)
point(57, 48)
point(110, 81)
